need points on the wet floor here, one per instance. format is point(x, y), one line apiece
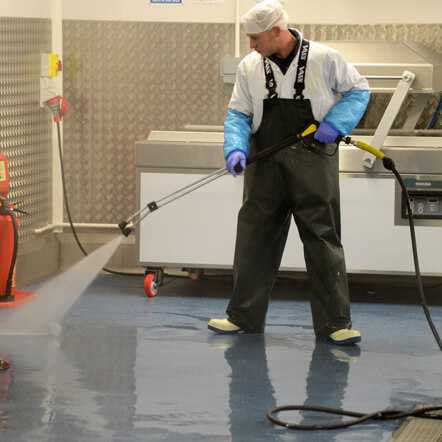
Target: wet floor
point(126, 368)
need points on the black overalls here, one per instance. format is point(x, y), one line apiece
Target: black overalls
point(299, 182)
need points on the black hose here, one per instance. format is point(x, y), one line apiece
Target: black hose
point(68, 212)
point(389, 164)
point(383, 415)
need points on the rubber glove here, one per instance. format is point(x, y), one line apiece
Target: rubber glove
point(326, 133)
point(235, 157)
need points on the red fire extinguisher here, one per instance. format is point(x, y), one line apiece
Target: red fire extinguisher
point(8, 236)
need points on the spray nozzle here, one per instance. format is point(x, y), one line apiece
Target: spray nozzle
point(126, 228)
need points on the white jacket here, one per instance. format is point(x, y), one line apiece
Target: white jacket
point(327, 76)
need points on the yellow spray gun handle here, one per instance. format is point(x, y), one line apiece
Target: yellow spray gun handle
point(387, 162)
point(310, 130)
point(369, 148)
point(359, 144)
point(365, 146)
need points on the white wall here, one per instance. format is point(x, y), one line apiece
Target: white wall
point(25, 8)
point(223, 11)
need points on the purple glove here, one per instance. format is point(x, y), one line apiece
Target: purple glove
point(326, 133)
point(235, 157)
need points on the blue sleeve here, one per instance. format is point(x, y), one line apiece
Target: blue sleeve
point(345, 115)
point(237, 132)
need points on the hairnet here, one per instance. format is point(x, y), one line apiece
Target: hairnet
point(264, 16)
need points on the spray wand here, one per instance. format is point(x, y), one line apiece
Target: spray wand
point(128, 225)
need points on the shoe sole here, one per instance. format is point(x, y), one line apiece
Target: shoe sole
point(349, 341)
point(223, 332)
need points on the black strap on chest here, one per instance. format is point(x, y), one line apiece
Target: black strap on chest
point(300, 73)
point(270, 79)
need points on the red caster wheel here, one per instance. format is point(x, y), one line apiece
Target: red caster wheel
point(150, 285)
point(4, 365)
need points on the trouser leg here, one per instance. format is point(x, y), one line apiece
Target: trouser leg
point(263, 224)
point(330, 303)
point(315, 197)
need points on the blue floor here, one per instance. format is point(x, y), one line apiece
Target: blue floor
point(128, 368)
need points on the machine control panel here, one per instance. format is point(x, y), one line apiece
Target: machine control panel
point(425, 198)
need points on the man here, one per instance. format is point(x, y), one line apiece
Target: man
point(281, 87)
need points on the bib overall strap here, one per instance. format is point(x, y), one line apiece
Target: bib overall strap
point(270, 79)
point(300, 73)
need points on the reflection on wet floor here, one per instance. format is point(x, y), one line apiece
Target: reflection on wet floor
point(126, 368)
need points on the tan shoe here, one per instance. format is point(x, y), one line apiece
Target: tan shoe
point(223, 326)
point(345, 336)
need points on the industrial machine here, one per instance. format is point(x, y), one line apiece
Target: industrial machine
point(199, 230)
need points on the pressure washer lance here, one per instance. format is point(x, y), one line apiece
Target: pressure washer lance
point(128, 225)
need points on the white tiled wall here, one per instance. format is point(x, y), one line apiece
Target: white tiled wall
point(25, 8)
point(223, 11)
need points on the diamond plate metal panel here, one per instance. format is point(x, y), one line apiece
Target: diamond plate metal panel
point(25, 129)
point(417, 429)
point(123, 79)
